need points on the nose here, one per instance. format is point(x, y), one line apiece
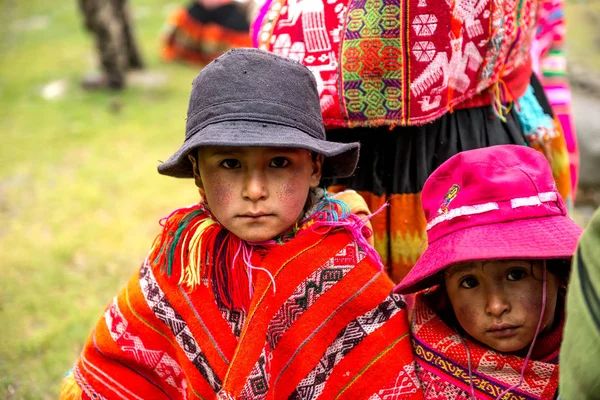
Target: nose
point(497, 303)
point(255, 186)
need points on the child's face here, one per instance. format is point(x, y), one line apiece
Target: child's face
point(499, 302)
point(256, 192)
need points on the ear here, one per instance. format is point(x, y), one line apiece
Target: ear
point(196, 172)
point(317, 170)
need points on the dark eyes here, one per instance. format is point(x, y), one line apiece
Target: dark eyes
point(468, 282)
point(516, 274)
point(231, 163)
point(279, 162)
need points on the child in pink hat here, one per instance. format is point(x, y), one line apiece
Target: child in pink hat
point(489, 324)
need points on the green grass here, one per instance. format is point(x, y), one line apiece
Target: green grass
point(79, 194)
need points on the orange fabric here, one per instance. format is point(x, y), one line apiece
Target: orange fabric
point(399, 229)
point(249, 348)
point(316, 325)
point(561, 169)
point(330, 302)
point(357, 370)
point(199, 43)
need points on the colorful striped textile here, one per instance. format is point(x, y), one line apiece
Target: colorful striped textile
point(203, 31)
point(398, 229)
point(443, 358)
point(403, 63)
point(321, 323)
point(550, 63)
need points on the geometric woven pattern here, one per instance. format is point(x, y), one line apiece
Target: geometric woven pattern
point(392, 62)
point(319, 299)
point(372, 67)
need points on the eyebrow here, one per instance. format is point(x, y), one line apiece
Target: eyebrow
point(462, 268)
point(469, 267)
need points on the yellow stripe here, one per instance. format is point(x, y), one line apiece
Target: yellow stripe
point(383, 353)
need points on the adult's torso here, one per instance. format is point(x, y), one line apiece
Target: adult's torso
point(402, 62)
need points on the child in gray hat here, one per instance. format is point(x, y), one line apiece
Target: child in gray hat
point(267, 287)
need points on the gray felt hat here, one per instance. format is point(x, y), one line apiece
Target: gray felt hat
point(252, 98)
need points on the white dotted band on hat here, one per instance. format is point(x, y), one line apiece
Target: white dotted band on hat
point(533, 200)
point(544, 197)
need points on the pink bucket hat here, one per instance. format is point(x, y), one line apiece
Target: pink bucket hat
point(498, 202)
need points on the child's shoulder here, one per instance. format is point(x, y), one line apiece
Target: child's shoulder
point(329, 245)
point(342, 217)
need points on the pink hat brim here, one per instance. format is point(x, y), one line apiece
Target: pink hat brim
point(548, 237)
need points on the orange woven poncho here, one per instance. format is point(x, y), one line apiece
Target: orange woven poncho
point(320, 323)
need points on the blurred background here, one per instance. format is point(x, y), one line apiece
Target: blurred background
point(80, 198)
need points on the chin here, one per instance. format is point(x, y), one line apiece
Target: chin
point(507, 346)
point(254, 236)
point(256, 239)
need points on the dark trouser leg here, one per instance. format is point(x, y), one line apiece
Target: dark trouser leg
point(134, 57)
point(111, 44)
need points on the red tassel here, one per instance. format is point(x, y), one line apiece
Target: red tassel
point(219, 256)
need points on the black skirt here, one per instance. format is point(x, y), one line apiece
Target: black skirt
point(399, 160)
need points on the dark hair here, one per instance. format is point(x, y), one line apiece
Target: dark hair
point(560, 267)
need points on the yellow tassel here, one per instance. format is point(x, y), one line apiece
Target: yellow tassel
point(191, 274)
point(69, 389)
point(497, 105)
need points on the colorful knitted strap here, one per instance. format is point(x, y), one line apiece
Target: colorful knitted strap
point(538, 127)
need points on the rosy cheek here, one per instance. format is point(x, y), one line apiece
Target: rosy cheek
point(288, 193)
point(466, 312)
point(532, 306)
point(468, 315)
point(221, 191)
point(531, 301)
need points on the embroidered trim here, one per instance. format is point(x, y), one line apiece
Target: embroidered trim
point(534, 200)
point(544, 197)
point(462, 211)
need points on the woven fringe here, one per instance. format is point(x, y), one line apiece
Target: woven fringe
point(203, 251)
point(69, 389)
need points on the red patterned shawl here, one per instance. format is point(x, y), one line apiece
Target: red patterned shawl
point(403, 62)
point(329, 328)
point(442, 363)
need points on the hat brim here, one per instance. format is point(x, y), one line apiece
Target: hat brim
point(551, 237)
point(340, 158)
